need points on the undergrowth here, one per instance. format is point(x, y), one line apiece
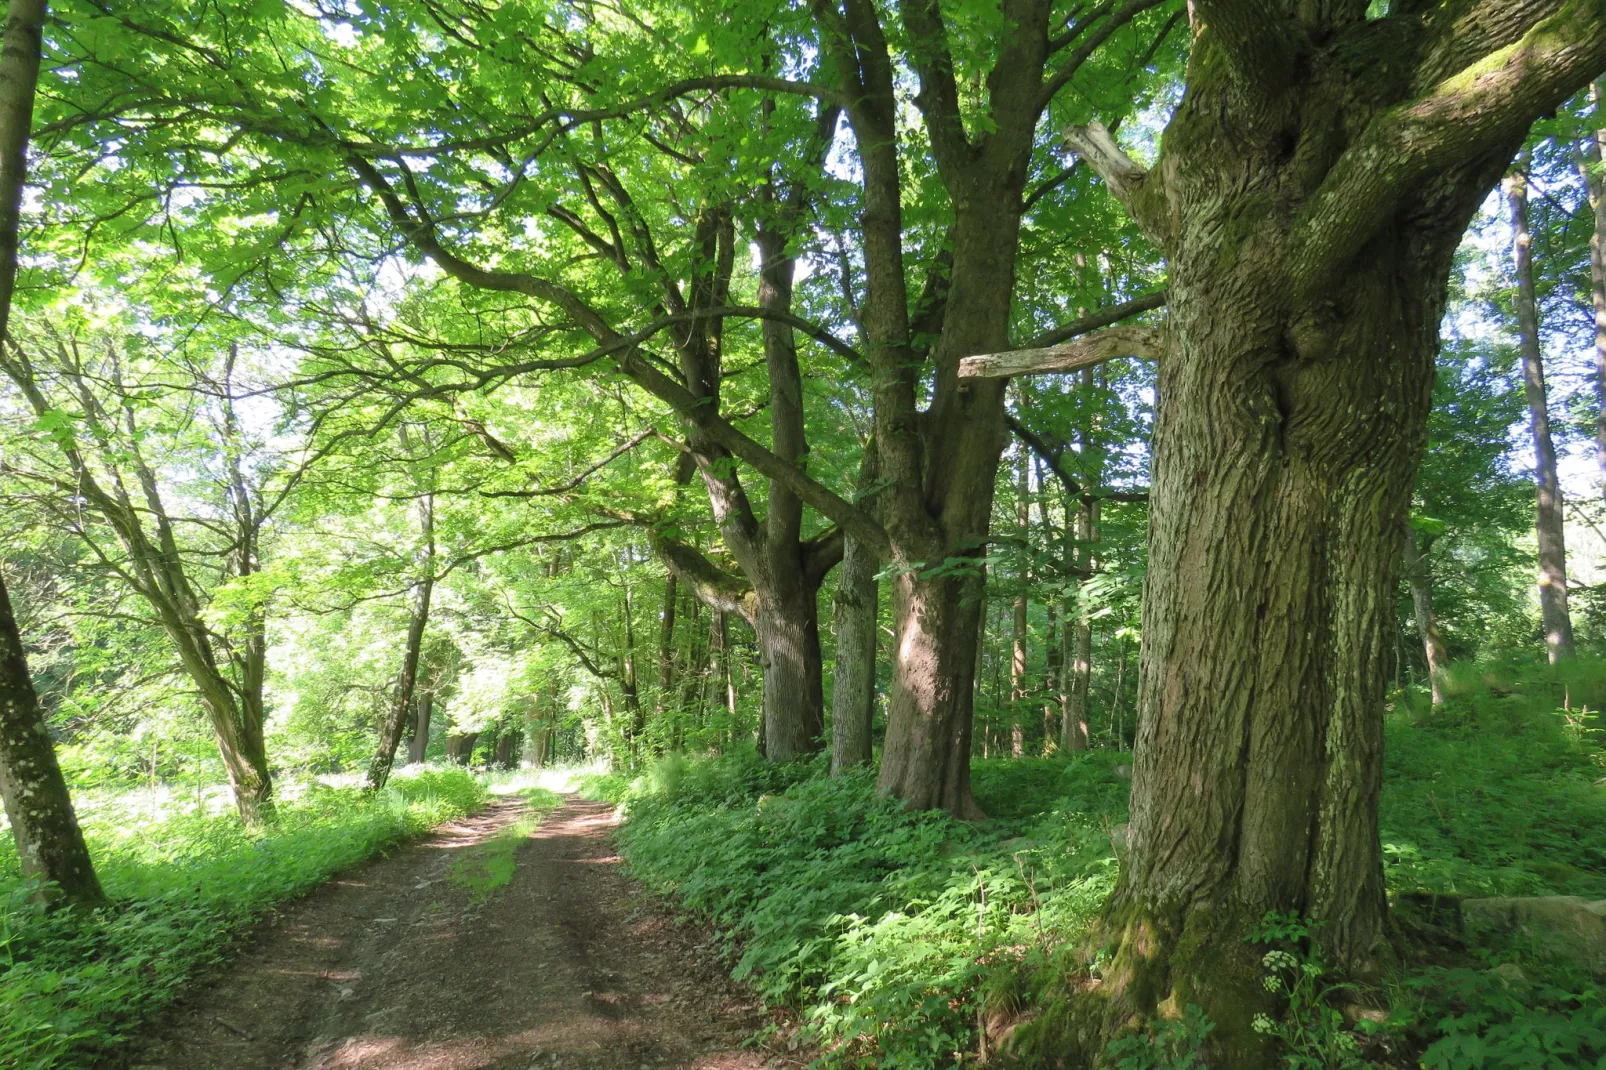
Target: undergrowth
point(901, 937)
point(73, 986)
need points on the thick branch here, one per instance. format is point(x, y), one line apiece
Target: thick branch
point(822, 553)
point(1055, 459)
point(1480, 111)
point(1145, 343)
point(632, 362)
point(712, 585)
point(1255, 35)
point(1123, 177)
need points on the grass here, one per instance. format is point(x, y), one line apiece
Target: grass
point(894, 933)
point(485, 867)
point(73, 987)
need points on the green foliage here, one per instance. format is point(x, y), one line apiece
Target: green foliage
point(1495, 794)
point(73, 986)
point(1311, 1031)
point(865, 913)
point(1500, 1020)
point(1173, 1044)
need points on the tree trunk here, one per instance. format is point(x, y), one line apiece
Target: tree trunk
point(637, 716)
point(1051, 680)
point(1591, 162)
point(1074, 730)
point(49, 842)
point(1017, 646)
point(420, 743)
point(856, 605)
point(402, 698)
point(37, 803)
point(788, 628)
point(725, 679)
point(1427, 625)
point(666, 643)
point(504, 748)
point(1547, 485)
point(460, 748)
point(1294, 394)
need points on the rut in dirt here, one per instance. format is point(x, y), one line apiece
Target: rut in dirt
point(440, 958)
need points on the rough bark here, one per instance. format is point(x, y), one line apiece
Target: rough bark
point(1427, 625)
point(940, 462)
point(49, 842)
point(1309, 197)
point(1549, 524)
point(404, 694)
point(856, 609)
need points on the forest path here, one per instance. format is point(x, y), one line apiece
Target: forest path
point(445, 957)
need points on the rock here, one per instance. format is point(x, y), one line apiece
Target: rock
point(1510, 973)
point(1119, 836)
point(1123, 771)
point(1566, 926)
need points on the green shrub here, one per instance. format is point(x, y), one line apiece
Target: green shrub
point(72, 986)
point(864, 913)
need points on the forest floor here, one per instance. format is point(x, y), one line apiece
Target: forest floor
point(495, 943)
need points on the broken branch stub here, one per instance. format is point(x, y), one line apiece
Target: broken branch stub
point(1145, 343)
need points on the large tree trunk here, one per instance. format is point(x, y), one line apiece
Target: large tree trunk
point(1280, 488)
point(1549, 523)
point(857, 599)
point(1311, 190)
point(403, 696)
point(49, 842)
point(1427, 625)
point(938, 512)
point(788, 627)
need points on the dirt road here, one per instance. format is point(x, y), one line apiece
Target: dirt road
point(485, 946)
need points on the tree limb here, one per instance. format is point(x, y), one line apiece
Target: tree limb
point(1145, 343)
point(1123, 177)
point(1481, 110)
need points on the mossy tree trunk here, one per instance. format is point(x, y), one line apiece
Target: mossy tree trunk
point(1311, 190)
